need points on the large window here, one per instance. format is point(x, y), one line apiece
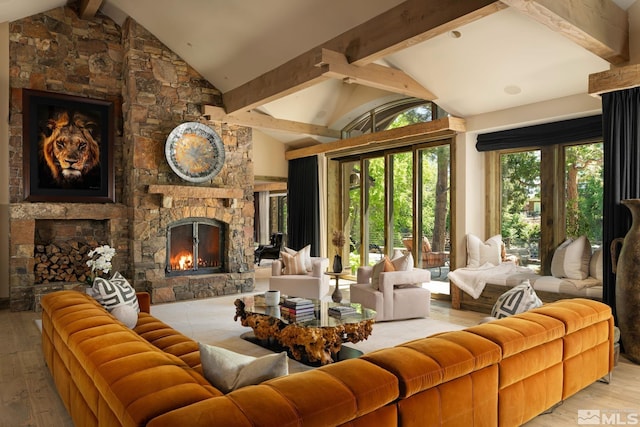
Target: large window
point(397, 197)
point(399, 200)
point(547, 195)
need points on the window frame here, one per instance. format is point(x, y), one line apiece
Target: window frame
point(552, 202)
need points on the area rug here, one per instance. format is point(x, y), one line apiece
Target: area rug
point(211, 321)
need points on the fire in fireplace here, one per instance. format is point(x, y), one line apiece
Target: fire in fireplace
point(195, 246)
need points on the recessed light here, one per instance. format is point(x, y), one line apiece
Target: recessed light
point(512, 89)
point(455, 34)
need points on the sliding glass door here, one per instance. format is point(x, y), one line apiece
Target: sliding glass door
point(399, 200)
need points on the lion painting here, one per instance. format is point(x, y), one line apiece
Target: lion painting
point(70, 151)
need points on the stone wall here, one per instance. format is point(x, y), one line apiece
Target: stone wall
point(154, 90)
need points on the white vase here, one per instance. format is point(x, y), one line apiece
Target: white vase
point(272, 298)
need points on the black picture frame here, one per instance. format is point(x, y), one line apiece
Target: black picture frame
point(67, 148)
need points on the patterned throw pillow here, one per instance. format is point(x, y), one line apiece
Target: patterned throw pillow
point(516, 300)
point(306, 256)
point(114, 292)
point(293, 264)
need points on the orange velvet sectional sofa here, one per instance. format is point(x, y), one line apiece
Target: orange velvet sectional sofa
point(501, 373)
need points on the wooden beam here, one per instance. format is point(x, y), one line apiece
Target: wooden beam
point(411, 22)
point(373, 75)
point(264, 121)
point(614, 79)
point(600, 26)
point(411, 132)
point(270, 186)
point(87, 9)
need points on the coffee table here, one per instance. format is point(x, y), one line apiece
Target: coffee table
point(315, 341)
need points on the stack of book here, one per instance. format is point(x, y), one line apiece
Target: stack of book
point(297, 309)
point(342, 311)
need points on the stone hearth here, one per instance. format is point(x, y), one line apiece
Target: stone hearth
point(153, 91)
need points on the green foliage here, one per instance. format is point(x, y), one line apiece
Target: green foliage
point(415, 115)
point(520, 173)
point(585, 178)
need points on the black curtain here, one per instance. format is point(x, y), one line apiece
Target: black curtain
point(303, 198)
point(565, 131)
point(621, 132)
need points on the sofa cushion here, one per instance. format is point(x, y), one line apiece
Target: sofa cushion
point(403, 262)
point(227, 370)
point(571, 259)
point(114, 292)
point(381, 266)
point(293, 264)
point(480, 253)
point(595, 265)
point(306, 256)
point(516, 300)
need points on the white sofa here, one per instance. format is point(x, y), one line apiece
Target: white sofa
point(314, 284)
point(400, 294)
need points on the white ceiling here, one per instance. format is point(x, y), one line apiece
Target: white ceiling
point(232, 42)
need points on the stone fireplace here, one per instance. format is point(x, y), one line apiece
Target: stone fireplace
point(153, 91)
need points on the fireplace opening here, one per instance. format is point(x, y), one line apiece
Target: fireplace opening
point(195, 246)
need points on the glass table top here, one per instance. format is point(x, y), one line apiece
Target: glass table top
point(316, 317)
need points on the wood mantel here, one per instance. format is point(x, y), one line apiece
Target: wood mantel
point(190, 192)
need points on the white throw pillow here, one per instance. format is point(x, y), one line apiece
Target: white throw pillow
point(126, 314)
point(571, 259)
point(404, 262)
point(595, 265)
point(228, 371)
point(293, 264)
point(114, 292)
point(306, 256)
point(516, 300)
point(480, 253)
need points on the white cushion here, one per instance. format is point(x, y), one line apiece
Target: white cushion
point(397, 253)
point(516, 300)
point(595, 265)
point(306, 256)
point(126, 314)
point(293, 264)
point(480, 253)
point(571, 259)
point(114, 292)
point(228, 371)
point(403, 262)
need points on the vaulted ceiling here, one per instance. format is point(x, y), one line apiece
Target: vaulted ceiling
point(301, 70)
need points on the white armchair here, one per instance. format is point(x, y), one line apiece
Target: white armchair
point(400, 294)
point(314, 284)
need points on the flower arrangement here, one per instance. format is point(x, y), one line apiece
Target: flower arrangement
point(338, 240)
point(100, 260)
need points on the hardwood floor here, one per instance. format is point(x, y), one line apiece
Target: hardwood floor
point(29, 398)
point(27, 392)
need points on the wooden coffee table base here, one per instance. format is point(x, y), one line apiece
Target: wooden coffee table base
point(305, 344)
